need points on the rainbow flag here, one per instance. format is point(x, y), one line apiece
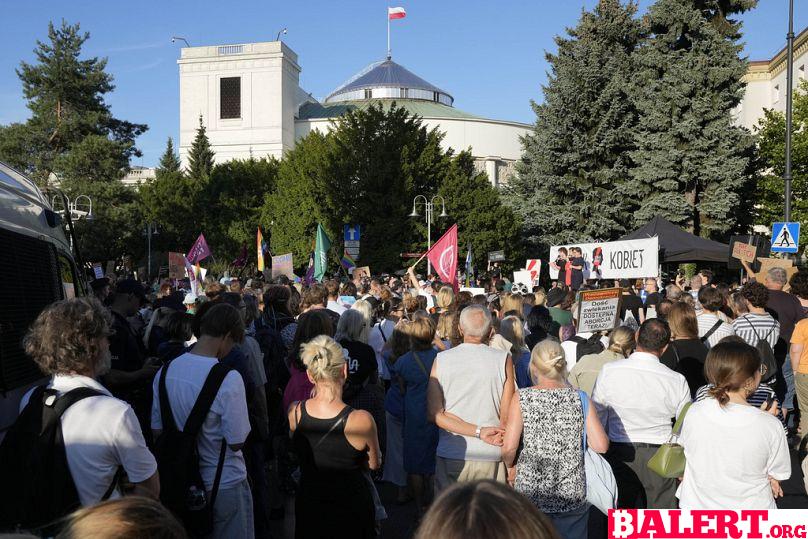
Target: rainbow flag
point(261, 247)
point(347, 262)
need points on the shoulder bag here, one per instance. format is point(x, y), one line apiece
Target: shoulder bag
point(669, 459)
point(601, 486)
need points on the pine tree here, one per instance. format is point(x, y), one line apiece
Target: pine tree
point(573, 178)
point(71, 131)
point(169, 161)
point(200, 158)
point(693, 165)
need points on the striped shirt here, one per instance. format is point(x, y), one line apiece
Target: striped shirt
point(752, 327)
point(707, 321)
point(761, 395)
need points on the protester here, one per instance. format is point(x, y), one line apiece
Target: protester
point(178, 333)
point(636, 399)
point(798, 355)
point(583, 343)
point(686, 352)
point(484, 510)
point(652, 296)
point(548, 420)
point(396, 346)
point(559, 302)
point(713, 323)
point(227, 423)
point(134, 517)
point(309, 325)
point(68, 341)
point(799, 287)
point(277, 313)
point(586, 370)
point(389, 313)
point(332, 290)
point(540, 326)
point(511, 329)
point(470, 389)
point(735, 453)
point(759, 328)
point(631, 306)
point(334, 443)
point(100, 288)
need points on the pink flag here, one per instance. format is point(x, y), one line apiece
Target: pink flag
point(199, 251)
point(443, 256)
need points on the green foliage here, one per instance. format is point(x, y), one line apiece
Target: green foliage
point(771, 134)
point(573, 178)
point(234, 197)
point(65, 95)
point(169, 161)
point(173, 202)
point(693, 165)
point(484, 222)
point(200, 158)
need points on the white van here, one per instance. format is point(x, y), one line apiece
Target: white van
point(36, 269)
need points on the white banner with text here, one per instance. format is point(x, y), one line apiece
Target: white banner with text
point(629, 259)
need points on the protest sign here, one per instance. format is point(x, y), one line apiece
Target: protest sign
point(98, 271)
point(533, 265)
point(496, 256)
point(768, 263)
point(629, 259)
point(524, 278)
point(176, 265)
point(599, 310)
point(473, 291)
point(363, 271)
point(282, 265)
point(744, 251)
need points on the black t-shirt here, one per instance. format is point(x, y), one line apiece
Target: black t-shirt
point(686, 356)
point(632, 303)
point(577, 276)
point(362, 367)
point(126, 349)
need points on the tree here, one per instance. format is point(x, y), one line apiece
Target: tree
point(573, 183)
point(693, 165)
point(771, 134)
point(484, 222)
point(365, 171)
point(169, 161)
point(71, 128)
point(200, 158)
point(234, 197)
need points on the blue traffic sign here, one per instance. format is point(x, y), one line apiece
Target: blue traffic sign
point(351, 232)
point(785, 237)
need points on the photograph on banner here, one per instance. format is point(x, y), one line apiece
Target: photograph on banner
point(522, 282)
point(176, 265)
point(599, 310)
point(628, 259)
point(282, 265)
point(360, 272)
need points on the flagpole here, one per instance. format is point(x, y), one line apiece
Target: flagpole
point(389, 54)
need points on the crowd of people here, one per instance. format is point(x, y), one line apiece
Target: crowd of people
point(479, 408)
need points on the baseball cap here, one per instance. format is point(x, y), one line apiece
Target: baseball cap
point(555, 296)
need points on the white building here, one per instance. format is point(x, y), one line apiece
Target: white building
point(766, 83)
point(251, 104)
point(138, 174)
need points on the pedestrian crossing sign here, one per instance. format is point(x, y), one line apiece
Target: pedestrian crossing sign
point(785, 237)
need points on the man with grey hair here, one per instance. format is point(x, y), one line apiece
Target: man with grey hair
point(673, 292)
point(468, 387)
point(787, 309)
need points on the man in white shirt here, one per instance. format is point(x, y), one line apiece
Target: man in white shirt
point(220, 328)
point(332, 289)
point(468, 387)
point(101, 433)
point(637, 399)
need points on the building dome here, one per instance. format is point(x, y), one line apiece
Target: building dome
point(388, 80)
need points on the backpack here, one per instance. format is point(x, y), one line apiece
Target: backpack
point(181, 487)
point(592, 345)
point(36, 488)
point(765, 350)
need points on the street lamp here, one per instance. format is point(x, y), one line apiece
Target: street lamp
point(176, 38)
point(429, 206)
point(151, 228)
point(789, 106)
point(80, 207)
point(280, 32)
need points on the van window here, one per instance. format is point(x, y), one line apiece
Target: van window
point(29, 281)
point(69, 281)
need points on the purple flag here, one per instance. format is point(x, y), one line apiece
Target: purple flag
point(241, 261)
point(199, 251)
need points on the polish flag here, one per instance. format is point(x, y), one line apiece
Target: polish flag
point(396, 13)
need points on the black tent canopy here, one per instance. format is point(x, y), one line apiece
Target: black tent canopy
point(677, 245)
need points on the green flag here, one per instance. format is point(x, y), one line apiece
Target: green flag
point(321, 247)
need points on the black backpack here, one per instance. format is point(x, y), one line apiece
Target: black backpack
point(592, 345)
point(36, 488)
point(181, 487)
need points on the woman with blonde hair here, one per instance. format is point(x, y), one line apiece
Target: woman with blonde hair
point(364, 307)
point(445, 329)
point(550, 419)
point(512, 302)
point(735, 453)
point(132, 517)
point(586, 370)
point(686, 352)
point(512, 330)
point(335, 444)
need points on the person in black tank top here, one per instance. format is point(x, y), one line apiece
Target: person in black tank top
point(335, 496)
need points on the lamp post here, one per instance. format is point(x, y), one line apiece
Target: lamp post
point(80, 207)
point(789, 91)
point(179, 38)
point(282, 32)
point(429, 206)
point(151, 228)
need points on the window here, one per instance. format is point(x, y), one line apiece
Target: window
point(402, 92)
point(801, 72)
point(435, 96)
point(368, 93)
point(229, 98)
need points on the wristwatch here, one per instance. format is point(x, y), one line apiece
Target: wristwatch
point(478, 431)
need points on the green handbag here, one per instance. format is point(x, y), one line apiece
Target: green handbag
point(669, 459)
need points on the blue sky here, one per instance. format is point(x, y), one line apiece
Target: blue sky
point(489, 55)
